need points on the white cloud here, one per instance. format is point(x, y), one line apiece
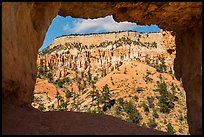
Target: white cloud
point(95, 25)
point(66, 27)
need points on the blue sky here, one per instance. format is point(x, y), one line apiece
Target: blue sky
point(64, 26)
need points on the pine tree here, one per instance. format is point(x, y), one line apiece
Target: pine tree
point(89, 76)
point(106, 94)
point(104, 72)
point(50, 78)
point(132, 112)
point(63, 105)
point(145, 107)
point(164, 100)
point(58, 97)
point(150, 101)
point(98, 99)
point(170, 129)
point(152, 123)
point(155, 115)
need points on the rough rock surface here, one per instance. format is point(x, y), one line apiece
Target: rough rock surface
point(169, 42)
point(25, 25)
point(188, 67)
point(67, 123)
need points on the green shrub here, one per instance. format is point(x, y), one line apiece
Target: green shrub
point(136, 98)
point(165, 122)
point(121, 101)
point(41, 107)
point(150, 101)
point(68, 94)
point(51, 107)
point(139, 89)
point(165, 101)
point(112, 102)
point(152, 123)
point(180, 117)
point(147, 79)
point(103, 73)
point(118, 110)
point(108, 105)
point(163, 105)
point(162, 67)
point(145, 107)
point(50, 78)
point(59, 83)
point(63, 105)
point(106, 94)
point(132, 112)
point(155, 115)
point(170, 129)
point(66, 79)
point(42, 70)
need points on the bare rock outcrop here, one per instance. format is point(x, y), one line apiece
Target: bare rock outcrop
point(24, 26)
point(102, 51)
point(169, 42)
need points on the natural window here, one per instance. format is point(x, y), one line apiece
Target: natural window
point(118, 69)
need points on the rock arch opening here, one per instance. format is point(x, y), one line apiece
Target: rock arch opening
point(74, 70)
point(28, 37)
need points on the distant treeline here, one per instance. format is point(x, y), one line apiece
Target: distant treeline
point(76, 34)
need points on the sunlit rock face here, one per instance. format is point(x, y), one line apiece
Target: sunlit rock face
point(24, 26)
point(103, 51)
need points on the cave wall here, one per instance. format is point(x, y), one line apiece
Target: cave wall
point(24, 29)
point(19, 41)
point(24, 26)
point(188, 65)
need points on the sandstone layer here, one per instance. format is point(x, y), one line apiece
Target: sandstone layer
point(104, 51)
point(112, 36)
point(25, 25)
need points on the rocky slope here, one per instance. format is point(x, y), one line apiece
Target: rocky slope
point(123, 86)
